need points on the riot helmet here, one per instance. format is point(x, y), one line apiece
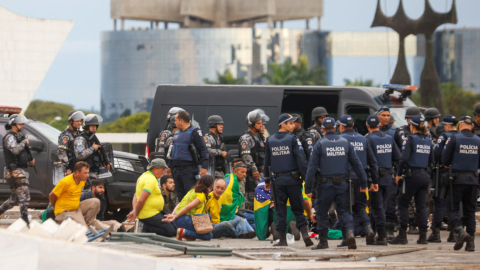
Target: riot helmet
point(412, 111)
point(15, 119)
point(92, 120)
point(476, 110)
point(431, 113)
point(171, 123)
point(318, 111)
point(213, 120)
point(265, 117)
point(253, 117)
point(76, 115)
point(173, 111)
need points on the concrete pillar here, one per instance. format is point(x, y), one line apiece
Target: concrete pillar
point(156, 25)
point(165, 24)
point(186, 21)
point(308, 24)
point(269, 22)
point(114, 25)
point(281, 24)
point(123, 24)
point(151, 24)
point(319, 23)
point(274, 24)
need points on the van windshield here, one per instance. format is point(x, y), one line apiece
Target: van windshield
point(399, 114)
point(46, 130)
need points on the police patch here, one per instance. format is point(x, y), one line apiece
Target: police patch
point(309, 142)
point(244, 145)
point(199, 132)
point(163, 137)
point(205, 139)
point(11, 139)
point(299, 143)
point(79, 143)
point(439, 140)
point(79, 148)
point(65, 139)
point(404, 142)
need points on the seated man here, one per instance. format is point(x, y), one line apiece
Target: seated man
point(65, 198)
point(168, 188)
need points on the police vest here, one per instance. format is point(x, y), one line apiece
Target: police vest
point(94, 159)
point(382, 148)
point(420, 155)
point(258, 151)
point(19, 160)
point(391, 132)
point(218, 143)
point(164, 135)
point(334, 159)
point(282, 158)
point(465, 157)
point(359, 143)
point(181, 143)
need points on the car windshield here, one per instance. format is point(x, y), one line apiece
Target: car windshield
point(46, 130)
point(399, 114)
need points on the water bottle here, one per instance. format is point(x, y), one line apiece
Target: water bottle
point(372, 259)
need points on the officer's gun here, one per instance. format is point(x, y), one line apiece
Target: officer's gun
point(193, 153)
point(103, 155)
point(22, 136)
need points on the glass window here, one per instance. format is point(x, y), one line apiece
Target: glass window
point(359, 115)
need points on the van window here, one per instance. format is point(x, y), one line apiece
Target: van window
point(359, 115)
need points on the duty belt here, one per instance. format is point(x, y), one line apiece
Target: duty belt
point(294, 174)
point(181, 168)
point(335, 180)
point(465, 173)
point(414, 169)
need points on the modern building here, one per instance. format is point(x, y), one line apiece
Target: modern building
point(28, 47)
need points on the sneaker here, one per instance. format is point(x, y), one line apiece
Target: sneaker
point(180, 236)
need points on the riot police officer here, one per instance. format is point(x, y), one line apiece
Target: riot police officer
point(318, 114)
point(65, 152)
point(216, 146)
point(286, 161)
point(162, 145)
point(409, 113)
point(332, 155)
point(386, 127)
point(369, 163)
point(432, 116)
point(450, 125)
point(462, 157)
point(87, 150)
point(417, 156)
point(264, 134)
point(305, 137)
point(476, 123)
point(383, 202)
point(17, 158)
point(252, 151)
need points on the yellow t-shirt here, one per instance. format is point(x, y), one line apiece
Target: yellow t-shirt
point(191, 195)
point(214, 207)
point(154, 203)
point(68, 194)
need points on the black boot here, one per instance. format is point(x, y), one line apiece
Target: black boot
point(25, 218)
point(452, 237)
point(462, 237)
point(283, 241)
point(369, 234)
point(381, 239)
point(470, 246)
point(350, 239)
point(275, 233)
point(295, 231)
point(322, 244)
point(389, 229)
point(435, 236)
point(422, 239)
point(401, 238)
point(306, 238)
point(343, 243)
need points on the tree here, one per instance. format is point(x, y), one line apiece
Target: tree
point(225, 78)
point(46, 111)
point(135, 123)
point(298, 74)
point(360, 82)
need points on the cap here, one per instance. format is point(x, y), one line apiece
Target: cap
point(285, 117)
point(158, 164)
point(466, 119)
point(450, 120)
point(328, 123)
point(416, 120)
point(373, 121)
point(299, 118)
point(346, 121)
point(239, 165)
point(383, 109)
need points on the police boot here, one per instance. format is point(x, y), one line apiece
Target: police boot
point(462, 237)
point(275, 233)
point(322, 244)
point(452, 237)
point(401, 238)
point(294, 230)
point(369, 234)
point(435, 236)
point(389, 229)
point(422, 239)
point(381, 239)
point(343, 243)
point(282, 242)
point(470, 246)
point(306, 238)
point(351, 239)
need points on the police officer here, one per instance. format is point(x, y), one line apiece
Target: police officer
point(166, 134)
point(88, 151)
point(332, 155)
point(369, 163)
point(409, 113)
point(432, 116)
point(285, 159)
point(264, 134)
point(65, 151)
point(216, 146)
point(476, 123)
point(386, 127)
point(450, 125)
point(16, 160)
point(462, 156)
point(188, 152)
point(252, 151)
point(417, 156)
point(383, 202)
point(318, 114)
point(305, 137)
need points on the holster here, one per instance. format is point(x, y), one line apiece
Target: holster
point(336, 180)
point(193, 153)
point(383, 171)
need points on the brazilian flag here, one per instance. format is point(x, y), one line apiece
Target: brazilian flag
point(231, 199)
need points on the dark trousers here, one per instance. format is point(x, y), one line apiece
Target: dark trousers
point(377, 205)
point(467, 194)
point(282, 195)
point(416, 187)
point(388, 188)
point(327, 193)
point(156, 225)
point(439, 212)
point(184, 180)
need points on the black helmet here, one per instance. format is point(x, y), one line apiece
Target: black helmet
point(299, 118)
point(173, 111)
point(476, 110)
point(318, 111)
point(171, 123)
point(15, 119)
point(76, 115)
point(93, 120)
point(440, 128)
point(412, 111)
point(253, 117)
point(213, 120)
point(431, 113)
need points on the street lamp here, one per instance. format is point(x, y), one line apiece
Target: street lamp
point(58, 118)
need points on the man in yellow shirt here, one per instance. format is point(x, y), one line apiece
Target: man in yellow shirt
point(65, 198)
point(148, 201)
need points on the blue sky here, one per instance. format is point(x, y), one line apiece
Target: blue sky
point(74, 76)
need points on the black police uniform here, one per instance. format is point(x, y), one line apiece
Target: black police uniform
point(184, 162)
point(396, 133)
point(307, 141)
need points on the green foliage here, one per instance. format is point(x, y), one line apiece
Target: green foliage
point(360, 82)
point(135, 123)
point(46, 111)
point(298, 74)
point(225, 78)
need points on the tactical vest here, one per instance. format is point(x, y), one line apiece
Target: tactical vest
point(181, 143)
point(382, 148)
point(218, 159)
point(258, 151)
point(406, 130)
point(334, 159)
point(465, 157)
point(94, 159)
point(282, 158)
point(391, 131)
point(162, 142)
point(20, 160)
point(420, 155)
point(360, 144)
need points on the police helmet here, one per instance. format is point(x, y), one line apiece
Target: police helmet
point(412, 111)
point(265, 117)
point(476, 110)
point(253, 117)
point(15, 119)
point(431, 113)
point(299, 118)
point(213, 120)
point(318, 111)
point(76, 115)
point(173, 111)
point(93, 120)
point(171, 123)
